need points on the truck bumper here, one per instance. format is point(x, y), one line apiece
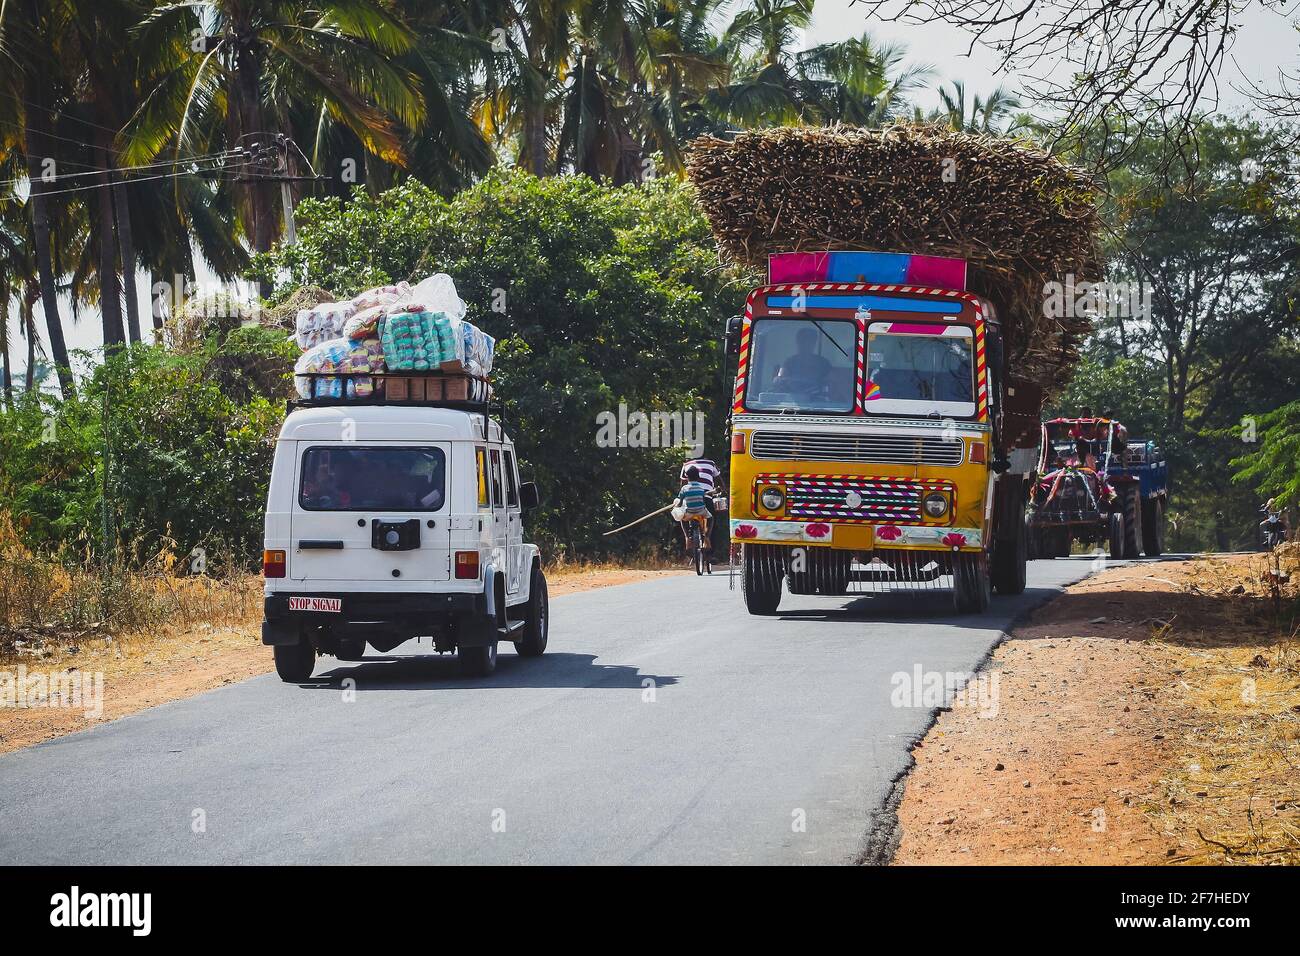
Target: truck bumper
point(855, 536)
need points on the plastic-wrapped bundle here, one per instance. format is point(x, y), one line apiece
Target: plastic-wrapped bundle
point(354, 359)
point(471, 352)
point(322, 323)
point(365, 324)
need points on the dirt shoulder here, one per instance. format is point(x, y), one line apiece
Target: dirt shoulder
point(1151, 714)
point(141, 671)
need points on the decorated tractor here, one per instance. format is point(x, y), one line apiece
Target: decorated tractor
point(1096, 486)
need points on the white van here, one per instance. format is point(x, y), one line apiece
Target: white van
point(388, 522)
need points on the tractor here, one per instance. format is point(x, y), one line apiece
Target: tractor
point(1096, 486)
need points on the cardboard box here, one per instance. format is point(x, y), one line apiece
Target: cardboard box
point(416, 389)
point(397, 389)
point(433, 389)
point(456, 389)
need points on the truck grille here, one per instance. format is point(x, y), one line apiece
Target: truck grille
point(872, 449)
point(873, 499)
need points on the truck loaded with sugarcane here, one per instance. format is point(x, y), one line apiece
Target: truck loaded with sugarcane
point(885, 415)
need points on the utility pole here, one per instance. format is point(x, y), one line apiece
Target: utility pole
point(286, 192)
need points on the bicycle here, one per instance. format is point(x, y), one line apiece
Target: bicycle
point(697, 538)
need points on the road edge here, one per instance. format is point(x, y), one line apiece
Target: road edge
point(880, 844)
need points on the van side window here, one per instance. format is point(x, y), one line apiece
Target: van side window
point(480, 455)
point(497, 498)
point(512, 481)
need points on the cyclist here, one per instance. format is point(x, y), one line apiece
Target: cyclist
point(693, 502)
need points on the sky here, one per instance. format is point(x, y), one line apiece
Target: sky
point(1266, 43)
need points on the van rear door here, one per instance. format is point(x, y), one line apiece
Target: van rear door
point(370, 512)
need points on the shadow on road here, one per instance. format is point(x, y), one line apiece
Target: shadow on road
point(931, 606)
point(409, 672)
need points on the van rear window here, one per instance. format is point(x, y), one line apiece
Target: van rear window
point(358, 478)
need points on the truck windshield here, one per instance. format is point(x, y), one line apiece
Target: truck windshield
point(372, 479)
point(920, 369)
point(801, 365)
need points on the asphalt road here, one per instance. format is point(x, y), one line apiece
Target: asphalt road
point(663, 725)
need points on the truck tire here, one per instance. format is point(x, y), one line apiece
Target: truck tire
point(1009, 557)
point(1153, 527)
point(295, 662)
point(1131, 497)
point(1115, 535)
point(537, 618)
point(971, 587)
point(827, 573)
point(477, 661)
point(762, 567)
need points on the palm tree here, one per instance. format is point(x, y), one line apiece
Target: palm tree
point(232, 84)
point(532, 46)
point(860, 81)
point(28, 62)
point(986, 115)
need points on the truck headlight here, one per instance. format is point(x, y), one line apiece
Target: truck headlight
point(935, 505)
point(772, 498)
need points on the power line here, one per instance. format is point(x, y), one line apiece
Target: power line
point(141, 179)
point(145, 167)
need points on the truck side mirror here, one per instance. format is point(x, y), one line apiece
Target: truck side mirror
point(529, 496)
point(733, 334)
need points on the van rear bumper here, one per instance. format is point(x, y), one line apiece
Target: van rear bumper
point(404, 612)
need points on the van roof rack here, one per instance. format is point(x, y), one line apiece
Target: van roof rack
point(486, 407)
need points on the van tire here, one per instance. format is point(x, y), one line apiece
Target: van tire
point(294, 663)
point(478, 661)
point(537, 618)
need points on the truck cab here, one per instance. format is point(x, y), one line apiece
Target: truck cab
point(386, 522)
point(865, 429)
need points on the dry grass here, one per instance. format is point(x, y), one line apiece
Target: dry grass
point(1235, 682)
point(52, 609)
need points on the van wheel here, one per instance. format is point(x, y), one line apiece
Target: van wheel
point(478, 661)
point(538, 618)
point(295, 662)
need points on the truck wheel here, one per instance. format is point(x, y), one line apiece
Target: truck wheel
point(1062, 543)
point(478, 661)
point(538, 618)
point(760, 580)
point(1032, 547)
point(295, 662)
point(1153, 527)
point(1132, 521)
point(1009, 557)
point(970, 583)
point(1115, 534)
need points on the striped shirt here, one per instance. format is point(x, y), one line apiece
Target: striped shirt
point(694, 495)
point(707, 468)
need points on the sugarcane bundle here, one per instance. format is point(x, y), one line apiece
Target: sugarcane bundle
point(1020, 218)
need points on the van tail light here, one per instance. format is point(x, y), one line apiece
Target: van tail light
point(978, 453)
point(738, 443)
point(273, 564)
point(467, 564)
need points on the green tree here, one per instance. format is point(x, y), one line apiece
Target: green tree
point(596, 295)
